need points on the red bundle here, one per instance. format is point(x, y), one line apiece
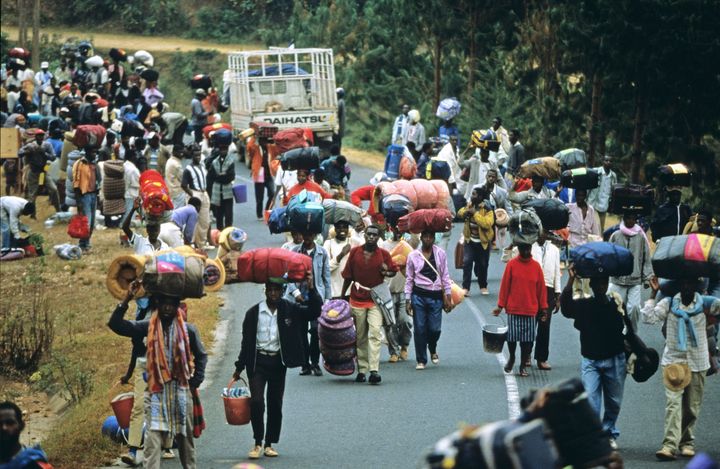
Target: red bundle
point(522, 185)
point(79, 227)
point(92, 135)
point(213, 127)
point(289, 139)
point(259, 265)
point(154, 193)
point(438, 220)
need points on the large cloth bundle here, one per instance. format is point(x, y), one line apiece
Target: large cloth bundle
point(215, 127)
point(232, 239)
point(94, 61)
point(438, 220)
point(173, 274)
point(278, 221)
point(525, 226)
point(546, 167)
point(341, 210)
point(259, 265)
point(438, 168)
point(601, 259)
point(580, 178)
point(289, 139)
point(264, 129)
point(118, 54)
point(571, 158)
point(395, 206)
point(421, 193)
point(337, 335)
point(222, 137)
point(89, 135)
point(150, 75)
point(201, 81)
point(300, 158)
point(154, 193)
point(448, 109)
point(400, 252)
point(677, 175)
point(631, 198)
point(687, 256)
point(305, 213)
point(121, 273)
point(393, 159)
point(553, 214)
point(113, 187)
point(143, 57)
point(408, 167)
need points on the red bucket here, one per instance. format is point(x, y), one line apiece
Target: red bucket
point(122, 406)
point(237, 409)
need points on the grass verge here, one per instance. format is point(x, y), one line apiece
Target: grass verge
point(94, 357)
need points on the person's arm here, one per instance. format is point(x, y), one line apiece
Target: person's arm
point(199, 356)
point(647, 269)
point(241, 362)
point(484, 218)
point(326, 276)
point(126, 224)
point(568, 306)
point(121, 326)
point(655, 313)
point(541, 290)
point(185, 182)
point(311, 310)
point(49, 151)
point(391, 269)
point(190, 224)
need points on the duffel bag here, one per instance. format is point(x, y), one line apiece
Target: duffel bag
point(631, 198)
point(693, 255)
point(215, 127)
point(308, 217)
point(394, 206)
point(675, 175)
point(89, 135)
point(150, 75)
point(172, 274)
point(201, 81)
point(222, 137)
point(260, 265)
point(571, 158)
point(340, 210)
point(263, 129)
point(392, 161)
point(301, 158)
point(278, 222)
point(580, 178)
point(437, 169)
point(289, 139)
point(525, 226)
point(448, 108)
point(601, 259)
point(438, 220)
point(118, 55)
point(553, 214)
point(546, 167)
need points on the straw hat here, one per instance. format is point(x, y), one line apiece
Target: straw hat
point(676, 376)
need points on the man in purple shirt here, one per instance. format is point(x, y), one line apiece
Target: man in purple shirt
point(427, 292)
point(181, 227)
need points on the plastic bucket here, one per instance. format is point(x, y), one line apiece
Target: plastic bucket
point(240, 193)
point(122, 406)
point(494, 337)
point(237, 409)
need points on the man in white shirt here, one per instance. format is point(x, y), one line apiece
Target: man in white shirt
point(284, 181)
point(174, 176)
point(141, 244)
point(11, 209)
point(548, 256)
point(398, 129)
point(600, 197)
point(132, 184)
point(338, 249)
point(194, 183)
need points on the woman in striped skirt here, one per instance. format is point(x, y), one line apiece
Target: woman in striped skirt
point(522, 296)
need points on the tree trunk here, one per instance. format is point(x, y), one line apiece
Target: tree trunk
point(438, 74)
point(36, 36)
point(22, 31)
point(595, 117)
point(639, 124)
point(472, 51)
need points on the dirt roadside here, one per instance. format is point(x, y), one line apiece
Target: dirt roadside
point(133, 42)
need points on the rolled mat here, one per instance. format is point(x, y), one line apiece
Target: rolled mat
point(121, 272)
point(259, 265)
point(232, 239)
point(213, 275)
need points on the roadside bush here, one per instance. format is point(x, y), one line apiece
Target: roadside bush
point(220, 23)
point(64, 375)
point(157, 17)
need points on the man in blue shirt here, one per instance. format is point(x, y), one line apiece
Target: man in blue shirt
point(181, 227)
point(336, 169)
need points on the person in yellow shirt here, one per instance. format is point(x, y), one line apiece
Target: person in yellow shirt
point(479, 232)
point(86, 179)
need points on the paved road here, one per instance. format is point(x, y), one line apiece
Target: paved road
point(334, 422)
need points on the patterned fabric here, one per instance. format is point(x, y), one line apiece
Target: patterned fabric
point(520, 328)
point(222, 191)
point(176, 346)
point(198, 414)
point(684, 322)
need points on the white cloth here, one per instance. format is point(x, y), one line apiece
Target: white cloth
point(267, 336)
point(600, 196)
point(696, 357)
point(142, 245)
point(132, 180)
point(171, 234)
point(447, 153)
point(286, 180)
point(10, 208)
point(333, 248)
point(398, 130)
point(548, 256)
point(632, 298)
point(173, 177)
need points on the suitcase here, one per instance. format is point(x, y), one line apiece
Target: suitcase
point(394, 206)
point(631, 198)
point(694, 255)
point(675, 175)
point(289, 139)
point(393, 159)
point(301, 158)
point(571, 158)
point(580, 178)
point(437, 169)
point(601, 259)
point(553, 214)
point(546, 167)
point(460, 253)
point(278, 222)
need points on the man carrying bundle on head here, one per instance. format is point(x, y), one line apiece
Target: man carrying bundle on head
point(176, 362)
point(479, 233)
point(305, 183)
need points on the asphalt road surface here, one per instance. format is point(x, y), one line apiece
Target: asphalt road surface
point(334, 422)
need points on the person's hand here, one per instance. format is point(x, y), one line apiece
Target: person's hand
point(654, 284)
point(571, 272)
point(137, 202)
point(133, 290)
point(544, 315)
point(194, 382)
point(236, 374)
point(409, 308)
point(447, 303)
point(299, 299)
point(344, 252)
point(125, 379)
point(557, 303)
point(496, 311)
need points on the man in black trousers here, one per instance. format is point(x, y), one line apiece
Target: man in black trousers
point(272, 342)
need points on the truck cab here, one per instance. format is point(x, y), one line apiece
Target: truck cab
point(285, 87)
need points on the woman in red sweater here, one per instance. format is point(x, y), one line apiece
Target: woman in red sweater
point(522, 296)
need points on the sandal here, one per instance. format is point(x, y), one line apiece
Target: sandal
point(523, 372)
point(509, 364)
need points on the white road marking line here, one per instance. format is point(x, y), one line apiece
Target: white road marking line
point(511, 386)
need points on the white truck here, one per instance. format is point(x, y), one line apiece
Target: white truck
point(285, 87)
